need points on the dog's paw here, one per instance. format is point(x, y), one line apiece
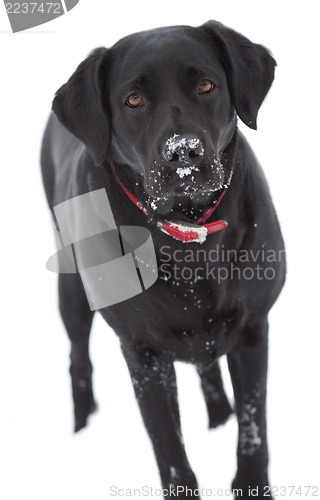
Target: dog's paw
point(83, 398)
point(180, 484)
point(218, 413)
point(82, 413)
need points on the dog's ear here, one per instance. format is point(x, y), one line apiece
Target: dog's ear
point(249, 68)
point(81, 104)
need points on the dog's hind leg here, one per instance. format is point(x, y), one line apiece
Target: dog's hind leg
point(77, 318)
point(218, 406)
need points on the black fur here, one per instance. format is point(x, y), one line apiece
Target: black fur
point(193, 320)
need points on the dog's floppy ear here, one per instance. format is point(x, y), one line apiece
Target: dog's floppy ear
point(80, 104)
point(249, 68)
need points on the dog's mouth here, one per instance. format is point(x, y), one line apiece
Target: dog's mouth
point(181, 202)
point(182, 207)
point(187, 192)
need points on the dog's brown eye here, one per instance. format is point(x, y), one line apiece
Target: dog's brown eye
point(134, 100)
point(205, 86)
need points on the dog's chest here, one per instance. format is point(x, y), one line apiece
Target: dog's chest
point(195, 327)
point(185, 322)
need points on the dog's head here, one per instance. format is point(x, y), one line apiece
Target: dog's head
point(164, 103)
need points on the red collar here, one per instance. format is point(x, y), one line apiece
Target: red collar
point(180, 230)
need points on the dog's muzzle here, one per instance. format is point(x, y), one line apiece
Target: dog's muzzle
point(183, 231)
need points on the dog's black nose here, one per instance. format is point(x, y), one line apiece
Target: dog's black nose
point(184, 148)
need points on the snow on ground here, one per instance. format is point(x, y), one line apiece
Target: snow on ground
point(40, 457)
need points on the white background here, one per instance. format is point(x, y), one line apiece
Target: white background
point(40, 457)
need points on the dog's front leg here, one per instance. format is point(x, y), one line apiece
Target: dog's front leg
point(154, 382)
point(248, 369)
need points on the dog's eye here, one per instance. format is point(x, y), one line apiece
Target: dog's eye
point(134, 100)
point(205, 86)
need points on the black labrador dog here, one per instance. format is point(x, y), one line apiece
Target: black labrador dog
point(153, 121)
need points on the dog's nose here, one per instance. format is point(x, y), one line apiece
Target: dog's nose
point(184, 148)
